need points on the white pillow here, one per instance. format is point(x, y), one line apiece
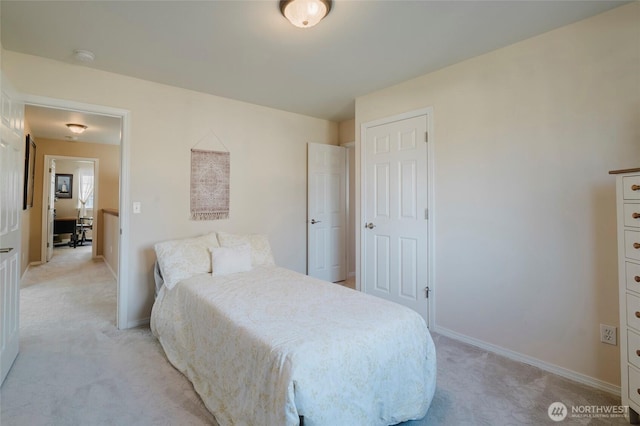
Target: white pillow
point(229, 260)
point(182, 259)
point(260, 249)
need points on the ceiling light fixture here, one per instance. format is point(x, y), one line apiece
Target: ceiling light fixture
point(305, 13)
point(76, 128)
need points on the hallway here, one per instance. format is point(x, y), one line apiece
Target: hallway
point(72, 286)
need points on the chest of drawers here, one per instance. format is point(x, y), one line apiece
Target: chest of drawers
point(628, 209)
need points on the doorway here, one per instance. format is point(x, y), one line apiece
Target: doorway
point(396, 224)
point(76, 205)
point(118, 186)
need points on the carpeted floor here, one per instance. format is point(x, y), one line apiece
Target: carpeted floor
point(76, 368)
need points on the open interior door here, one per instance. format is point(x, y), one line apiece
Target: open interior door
point(327, 212)
point(51, 199)
point(11, 198)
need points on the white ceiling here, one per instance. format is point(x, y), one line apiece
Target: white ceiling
point(51, 123)
point(246, 50)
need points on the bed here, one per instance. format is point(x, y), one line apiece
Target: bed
point(264, 345)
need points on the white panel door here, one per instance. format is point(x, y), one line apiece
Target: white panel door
point(11, 179)
point(395, 212)
point(327, 212)
point(51, 197)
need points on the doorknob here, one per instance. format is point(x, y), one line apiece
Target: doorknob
point(313, 221)
point(369, 225)
point(5, 250)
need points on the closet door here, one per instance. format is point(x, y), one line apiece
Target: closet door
point(395, 196)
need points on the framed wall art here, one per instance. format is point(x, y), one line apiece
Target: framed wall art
point(29, 172)
point(64, 185)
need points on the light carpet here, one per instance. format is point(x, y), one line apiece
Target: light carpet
point(76, 368)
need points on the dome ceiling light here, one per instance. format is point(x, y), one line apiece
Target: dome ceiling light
point(77, 128)
point(305, 13)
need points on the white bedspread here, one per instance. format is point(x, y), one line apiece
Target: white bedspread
point(266, 346)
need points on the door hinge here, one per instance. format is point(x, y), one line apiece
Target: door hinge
point(49, 169)
point(426, 136)
point(427, 290)
point(47, 245)
point(426, 213)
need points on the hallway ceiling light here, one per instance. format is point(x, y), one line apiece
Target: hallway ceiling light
point(76, 128)
point(305, 13)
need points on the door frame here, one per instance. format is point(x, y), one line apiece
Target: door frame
point(350, 240)
point(124, 190)
point(360, 200)
point(45, 194)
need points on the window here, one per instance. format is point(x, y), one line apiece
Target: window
point(86, 191)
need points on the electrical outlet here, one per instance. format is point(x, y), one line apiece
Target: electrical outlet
point(608, 334)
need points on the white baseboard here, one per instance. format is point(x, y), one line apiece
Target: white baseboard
point(108, 266)
point(516, 356)
point(25, 272)
point(36, 263)
point(138, 322)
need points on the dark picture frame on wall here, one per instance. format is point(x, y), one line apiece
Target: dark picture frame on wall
point(29, 172)
point(64, 185)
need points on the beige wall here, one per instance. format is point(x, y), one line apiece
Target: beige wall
point(525, 244)
point(347, 131)
point(268, 161)
point(108, 185)
point(110, 246)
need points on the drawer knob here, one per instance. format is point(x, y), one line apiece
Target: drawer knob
point(639, 391)
point(638, 352)
point(637, 314)
point(635, 215)
point(636, 245)
point(637, 278)
point(635, 187)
